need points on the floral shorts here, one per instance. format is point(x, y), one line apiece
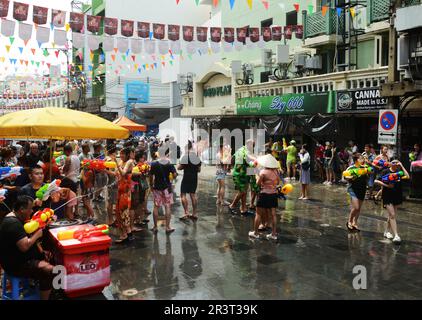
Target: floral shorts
point(162, 197)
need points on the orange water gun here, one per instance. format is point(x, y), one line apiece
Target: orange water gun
point(99, 165)
point(80, 234)
point(39, 220)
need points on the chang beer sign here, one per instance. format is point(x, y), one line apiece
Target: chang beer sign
point(305, 103)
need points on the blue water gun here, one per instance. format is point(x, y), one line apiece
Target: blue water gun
point(7, 172)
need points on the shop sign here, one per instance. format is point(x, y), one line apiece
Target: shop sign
point(304, 103)
point(218, 92)
point(360, 100)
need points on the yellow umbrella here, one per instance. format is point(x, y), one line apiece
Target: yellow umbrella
point(58, 124)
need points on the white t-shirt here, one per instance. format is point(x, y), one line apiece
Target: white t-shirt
point(74, 168)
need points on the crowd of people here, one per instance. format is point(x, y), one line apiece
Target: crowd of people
point(138, 169)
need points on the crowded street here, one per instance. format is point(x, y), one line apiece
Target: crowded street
point(214, 258)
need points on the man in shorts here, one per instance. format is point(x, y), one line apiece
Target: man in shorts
point(161, 174)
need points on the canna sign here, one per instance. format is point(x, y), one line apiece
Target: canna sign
point(305, 103)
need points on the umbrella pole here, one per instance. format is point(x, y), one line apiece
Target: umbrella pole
point(51, 158)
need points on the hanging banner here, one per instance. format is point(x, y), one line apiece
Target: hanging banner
point(20, 11)
point(158, 31)
point(143, 29)
point(122, 44)
point(108, 44)
point(188, 33)
point(276, 33)
point(8, 27)
point(299, 32)
point(43, 34)
point(39, 15)
point(254, 34)
point(4, 8)
point(229, 35)
point(215, 34)
point(288, 32)
point(25, 31)
point(76, 21)
point(202, 34)
point(305, 103)
point(360, 100)
point(78, 40)
point(173, 32)
point(58, 18)
point(60, 37)
point(241, 34)
point(136, 46)
point(93, 42)
point(126, 28)
point(266, 34)
point(93, 23)
point(110, 26)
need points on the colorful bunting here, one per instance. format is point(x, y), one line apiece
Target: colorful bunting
point(249, 4)
point(133, 57)
point(324, 10)
point(12, 39)
point(266, 4)
point(296, 5)
point(7, 48)
point(310, 9)
point(215, 3)
point(352, 12)
point(20, 49)
point(339, 11)
point(57, 53)
point(113, 57)
point(232, 4)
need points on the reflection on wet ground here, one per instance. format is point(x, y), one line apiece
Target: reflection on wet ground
point(312, 259)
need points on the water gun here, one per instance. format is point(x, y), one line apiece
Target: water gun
point(253, 164)
point(143, 168)
point(282, 191)
point(44, 192)
point(80, 234)
point(171, 178)
point(412, 156)
point(39, 220)
point(382, 163)
point(3, 192)
point(98, 165)
point(392, 177)
point(57, 154)
point(284, 144)
point(7, 172)
point(357, 172)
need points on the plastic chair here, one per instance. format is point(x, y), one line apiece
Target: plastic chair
point(19, 289)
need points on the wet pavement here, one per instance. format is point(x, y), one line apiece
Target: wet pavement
point(313, 258)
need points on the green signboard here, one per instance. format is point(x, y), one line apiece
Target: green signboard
point(302, 103)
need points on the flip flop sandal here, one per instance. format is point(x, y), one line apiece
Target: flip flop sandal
point(170, 231)
point(349, 227)
point(232, 211)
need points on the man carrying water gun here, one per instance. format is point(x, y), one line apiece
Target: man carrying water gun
point(19, 254)
point(392, 196)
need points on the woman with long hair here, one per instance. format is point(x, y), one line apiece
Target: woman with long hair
point(305, 172)
point(223, 168)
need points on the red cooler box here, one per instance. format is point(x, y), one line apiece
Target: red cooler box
point(87, 262)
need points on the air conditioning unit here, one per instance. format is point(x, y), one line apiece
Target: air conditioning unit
point(282, 54)
point(403, 52)
point(313, 63)
point(266, 57)
point(300, 60)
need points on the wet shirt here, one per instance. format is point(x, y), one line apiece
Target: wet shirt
point(270, 180)
point(191, 165)
point(397, 187)
point(291, 153)
point(161, 173)
point(11, 258)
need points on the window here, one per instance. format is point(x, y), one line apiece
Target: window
point(267, 23)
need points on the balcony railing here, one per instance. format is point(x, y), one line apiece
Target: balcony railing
point(378, 10)
point(318, 24)
point(408, 3)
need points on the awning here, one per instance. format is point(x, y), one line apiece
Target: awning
point(129, 124)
